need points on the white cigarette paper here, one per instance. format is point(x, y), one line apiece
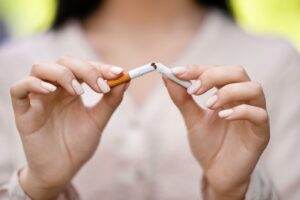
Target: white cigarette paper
point(140, 71)
point(168, 73)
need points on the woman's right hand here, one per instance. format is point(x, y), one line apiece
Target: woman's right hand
point(59, 134)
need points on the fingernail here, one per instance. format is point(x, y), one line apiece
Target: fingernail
point(77, 87)
point(194, 87)
point(103, 85)
point(48, 86)
point(178, 70)
point(116, 70)
point(225, 113)
point(211, 101)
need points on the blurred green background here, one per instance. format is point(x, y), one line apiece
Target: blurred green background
point(273, 17)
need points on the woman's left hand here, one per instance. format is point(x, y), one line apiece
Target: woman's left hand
point(228, 138)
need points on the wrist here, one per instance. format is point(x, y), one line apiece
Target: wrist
point(35, 188)
point(237, 193)
point(234, 195)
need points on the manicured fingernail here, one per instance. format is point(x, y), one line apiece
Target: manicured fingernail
point(178, 70)
point(225, 113)
point(48, 86)
point(77, 87)
point(116, 70)
point(194, 87)
point(103, 85)
point(211, 101)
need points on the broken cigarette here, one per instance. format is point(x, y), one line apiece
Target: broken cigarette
point(127, 76)
point(168, 73)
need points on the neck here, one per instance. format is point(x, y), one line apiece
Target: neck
point(142, 14)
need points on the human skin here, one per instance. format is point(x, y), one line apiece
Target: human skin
point(59, 134)
point(228, 138)
point(139, 26)
point(134, 32)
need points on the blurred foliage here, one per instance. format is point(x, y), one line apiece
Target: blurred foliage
point(25, 17)
point(275, 17)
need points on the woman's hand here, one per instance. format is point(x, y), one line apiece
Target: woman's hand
point(59, 134)
point(228, 138)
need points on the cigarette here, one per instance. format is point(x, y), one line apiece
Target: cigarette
point(168, 73)
point(127, 76)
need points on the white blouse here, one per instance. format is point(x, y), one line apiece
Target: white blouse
point(144, 152)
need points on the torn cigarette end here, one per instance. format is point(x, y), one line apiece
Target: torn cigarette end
point(154, 65)
point(168, 73)
point(123, 79)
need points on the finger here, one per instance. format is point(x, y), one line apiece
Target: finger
point(210, 77)
point(58, 74)
point(108, 72)
point(89, 73)
point(185, 103)
point(103, 110)
point(250, 92)
point(85, 72)
point(20, 92)
point(256, 115)
point(220, 76)
point(190, 72)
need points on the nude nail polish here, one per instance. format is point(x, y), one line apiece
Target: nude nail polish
point(194, 87)
point(116, 70)
point(48, 86)
point(103, 85)
point(77, 87)
point(178, 70)
point(211, 101)
point(225, 113)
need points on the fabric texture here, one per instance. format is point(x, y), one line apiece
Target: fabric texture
point(144, 151)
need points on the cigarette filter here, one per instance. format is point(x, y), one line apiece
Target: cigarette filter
point(127, 76)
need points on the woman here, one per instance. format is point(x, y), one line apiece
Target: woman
point(144, 153)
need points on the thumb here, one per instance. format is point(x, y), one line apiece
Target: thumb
point(104, 109)
point(184, 102)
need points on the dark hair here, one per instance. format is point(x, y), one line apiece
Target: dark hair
point(80, 9)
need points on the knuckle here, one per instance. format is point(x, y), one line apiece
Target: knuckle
point(257, 88)
point(62, 59)
point(228, 93)
point(232, 90)
point(224, 92)
point(91, 71)
point(35, 67)
point(243, 109)
point(102, 67)
point(192, 67)
point(65, 72)
point(265, 116)
point(240, 70)
point(28, 82)
point(207, 76)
